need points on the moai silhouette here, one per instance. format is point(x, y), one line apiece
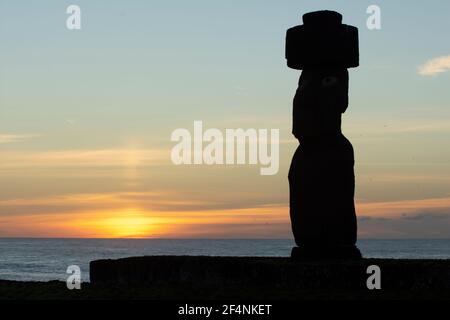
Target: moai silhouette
point(321, 176)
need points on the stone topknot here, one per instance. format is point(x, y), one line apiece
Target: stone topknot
point(322, 18)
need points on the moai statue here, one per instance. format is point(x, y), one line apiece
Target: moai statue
point(321, 177)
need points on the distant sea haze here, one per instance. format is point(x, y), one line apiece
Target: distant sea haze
point(48, 259)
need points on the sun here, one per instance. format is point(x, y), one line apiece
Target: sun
point(129, 223)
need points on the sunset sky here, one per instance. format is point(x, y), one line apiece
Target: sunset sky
point(86, 117)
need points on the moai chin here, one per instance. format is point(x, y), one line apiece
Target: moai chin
point(321, 176)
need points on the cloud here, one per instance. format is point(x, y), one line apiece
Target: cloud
point(8, 138)
point(403, 208)
point(172, 214)
point(435, 66)
point(84, 158)
point(160, 201)
point(427, 224)
point(130, 214)
point(424, 218)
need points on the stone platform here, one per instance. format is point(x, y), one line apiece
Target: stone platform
point(280, 273)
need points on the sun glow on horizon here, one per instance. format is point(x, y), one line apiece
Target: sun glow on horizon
point(127, 223)
point(169, 215)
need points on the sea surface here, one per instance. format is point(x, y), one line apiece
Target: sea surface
point(48, 259)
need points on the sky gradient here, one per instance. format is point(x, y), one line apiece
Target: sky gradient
point(86, 117)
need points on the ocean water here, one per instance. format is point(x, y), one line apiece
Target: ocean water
point(48, 259)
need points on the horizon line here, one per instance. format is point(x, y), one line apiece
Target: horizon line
point(240, 239)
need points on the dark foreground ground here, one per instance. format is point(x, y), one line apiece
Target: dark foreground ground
point(219, 278)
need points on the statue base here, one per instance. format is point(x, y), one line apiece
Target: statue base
point(308, 252)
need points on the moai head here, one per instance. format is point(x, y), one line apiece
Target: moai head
point(322, 41)
point(323, 48)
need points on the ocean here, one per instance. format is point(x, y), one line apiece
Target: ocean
point(48, 259)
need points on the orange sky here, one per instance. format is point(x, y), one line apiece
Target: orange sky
point(137, 193)
point(151, 215)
